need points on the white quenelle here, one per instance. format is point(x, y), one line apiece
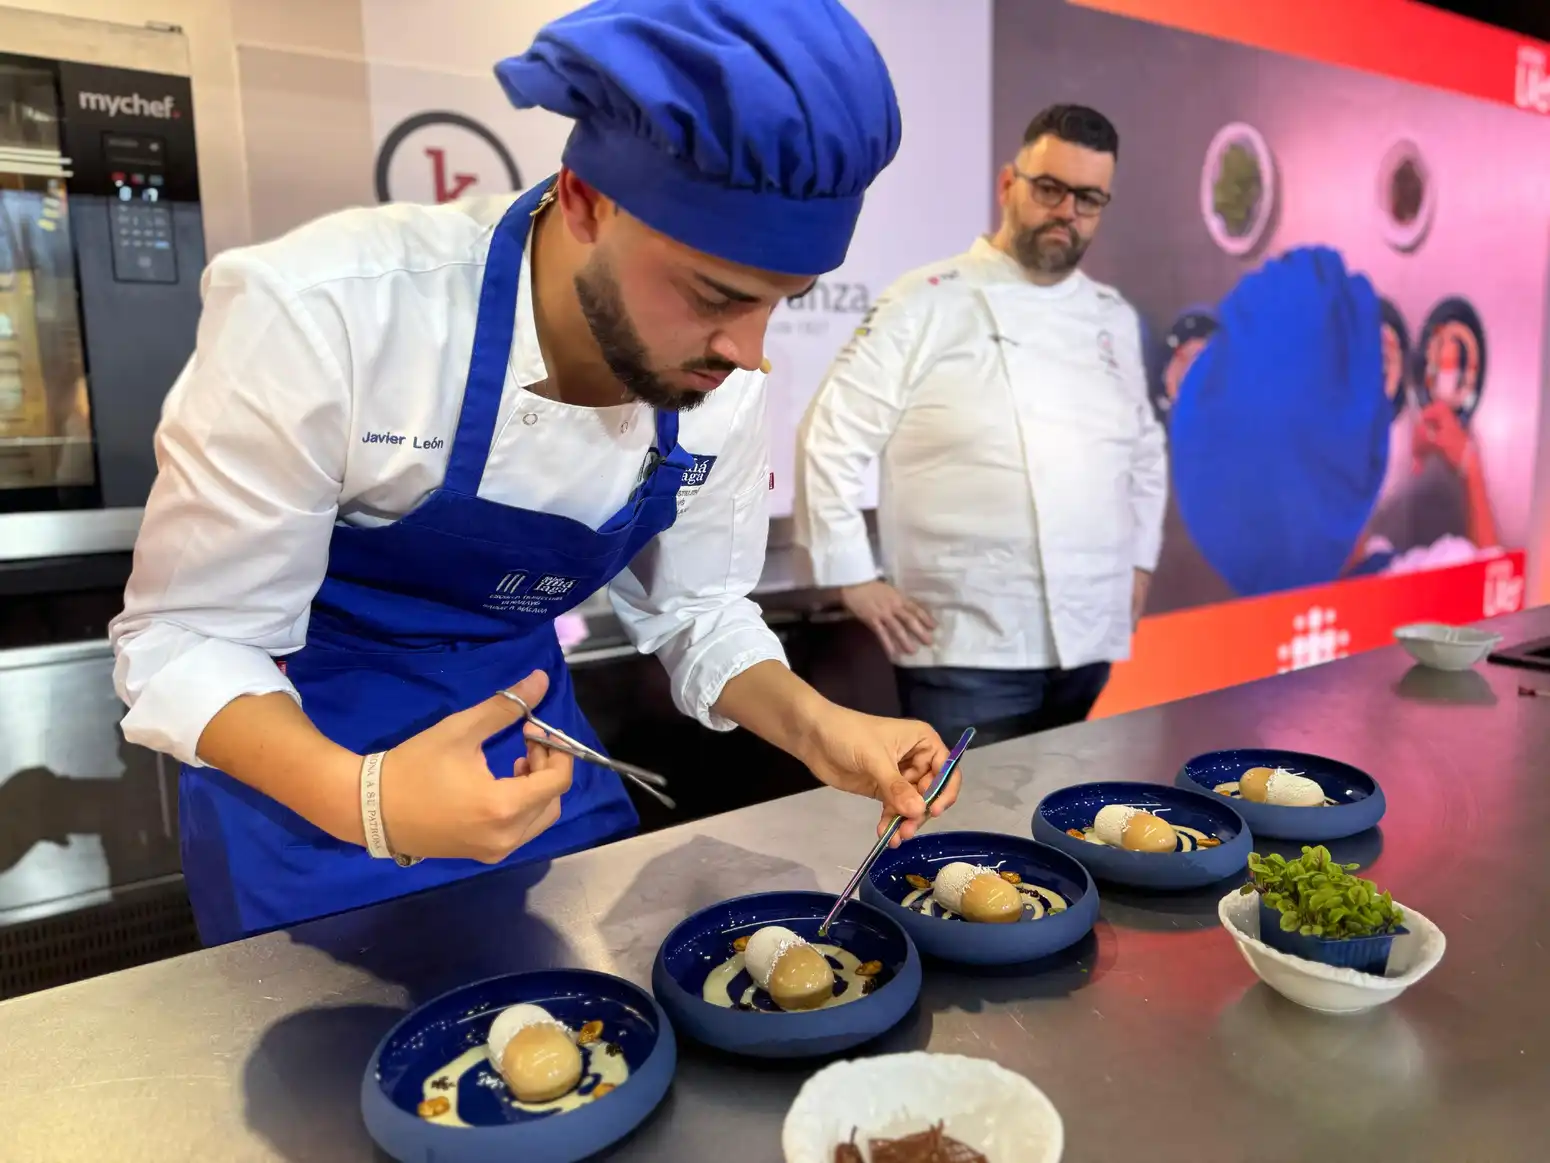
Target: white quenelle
point(1109, 824)
point(1295, 791)
point(976, 893)
point(535, 1053)
point(792, 972)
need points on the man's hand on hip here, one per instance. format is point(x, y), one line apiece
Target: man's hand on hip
point(1138, 592)
point(900, 623)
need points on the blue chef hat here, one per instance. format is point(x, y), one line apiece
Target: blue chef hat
point(747, 129)
point(1280, 435)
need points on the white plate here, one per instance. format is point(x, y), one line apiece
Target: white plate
point(1000, 1114)
point(1446, 647)
point(1405, 236)
point(1238, 133)
point(1331, 989)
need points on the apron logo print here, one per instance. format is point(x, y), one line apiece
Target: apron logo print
point(513, 593)
point(511, 583)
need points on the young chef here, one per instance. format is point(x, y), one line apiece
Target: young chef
point(410, 437)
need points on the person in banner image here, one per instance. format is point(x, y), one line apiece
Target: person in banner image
point(1280, 433)
point(1024, 475)
point(411, 437)
point(1279, 436)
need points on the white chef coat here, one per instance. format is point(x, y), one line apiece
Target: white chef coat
point(1023, 473)
point(325, 387)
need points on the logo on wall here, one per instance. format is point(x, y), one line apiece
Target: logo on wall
point(833, 298)
point(440, 156)
point(1315, 640)
point(1503, 589)
point(1533, 88)
point(809, 313)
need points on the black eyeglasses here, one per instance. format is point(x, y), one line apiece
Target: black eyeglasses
point(1051, 192)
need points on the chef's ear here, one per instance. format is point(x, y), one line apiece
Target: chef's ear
point(585, 209)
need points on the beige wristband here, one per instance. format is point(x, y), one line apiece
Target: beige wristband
point(371, 813)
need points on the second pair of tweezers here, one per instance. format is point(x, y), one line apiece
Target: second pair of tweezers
point(648, 781)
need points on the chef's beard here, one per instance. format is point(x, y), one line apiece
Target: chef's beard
point(1034, 255)
point(602, 306)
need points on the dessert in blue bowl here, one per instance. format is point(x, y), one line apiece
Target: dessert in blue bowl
point(752, 976)
point(552, 1066)
point(983, 898)
point(1145, 835)
point(1289, 795)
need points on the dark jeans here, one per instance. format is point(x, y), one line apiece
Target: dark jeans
point(999, 704)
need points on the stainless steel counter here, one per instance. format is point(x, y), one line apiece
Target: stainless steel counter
point(1153, 1038)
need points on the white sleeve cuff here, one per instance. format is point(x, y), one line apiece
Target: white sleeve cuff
point(698, 681)
point(1148, 550)
point(181, 698)
point(852, 564)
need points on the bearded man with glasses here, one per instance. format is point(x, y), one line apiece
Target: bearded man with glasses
point(1023, 472)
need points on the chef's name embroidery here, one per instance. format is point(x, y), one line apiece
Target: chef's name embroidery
point(424, 443)
point(693, 480)
point(524, 592)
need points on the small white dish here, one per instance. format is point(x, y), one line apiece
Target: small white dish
point(1404, 163)
point(1246, 138)
point(1000, 1114)
point(1330, 989)
point(1445, 647)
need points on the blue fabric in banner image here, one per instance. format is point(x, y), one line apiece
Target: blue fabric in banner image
point(1280, 434)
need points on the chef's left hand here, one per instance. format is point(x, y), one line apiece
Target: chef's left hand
point(892, 760)
point(1138, 592)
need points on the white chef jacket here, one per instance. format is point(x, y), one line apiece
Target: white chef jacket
point(1023, 473)
point(325, 387)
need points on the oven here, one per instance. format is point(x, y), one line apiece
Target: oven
point(101, 253)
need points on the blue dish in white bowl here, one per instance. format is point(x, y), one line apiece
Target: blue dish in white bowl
point(430, 1091)
point(1353, 800)
point(700, 979)
point(1192, 814)
point(1060, 901)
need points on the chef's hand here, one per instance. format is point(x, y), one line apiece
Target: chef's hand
point(899, 623)
point(1440, 431)
point(440, 800)
point(1138, 591)
point(892, 760)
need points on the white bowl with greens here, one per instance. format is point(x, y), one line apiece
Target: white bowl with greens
point(1317, 902)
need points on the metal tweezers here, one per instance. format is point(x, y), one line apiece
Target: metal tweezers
point(882, 841)
point(557, 740)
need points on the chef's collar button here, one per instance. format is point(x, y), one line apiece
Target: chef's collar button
point(530, 418)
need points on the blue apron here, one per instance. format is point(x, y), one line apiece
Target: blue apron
point(414, 621)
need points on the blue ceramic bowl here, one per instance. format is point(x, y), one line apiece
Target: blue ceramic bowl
point(1076, 807)
point(1363, 954)
point(704, 942)
point(417, 1052)
point(1359, 802)
point(887, 887)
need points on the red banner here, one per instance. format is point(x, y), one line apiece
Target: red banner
point(1211, 647)
point(1397, 38)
